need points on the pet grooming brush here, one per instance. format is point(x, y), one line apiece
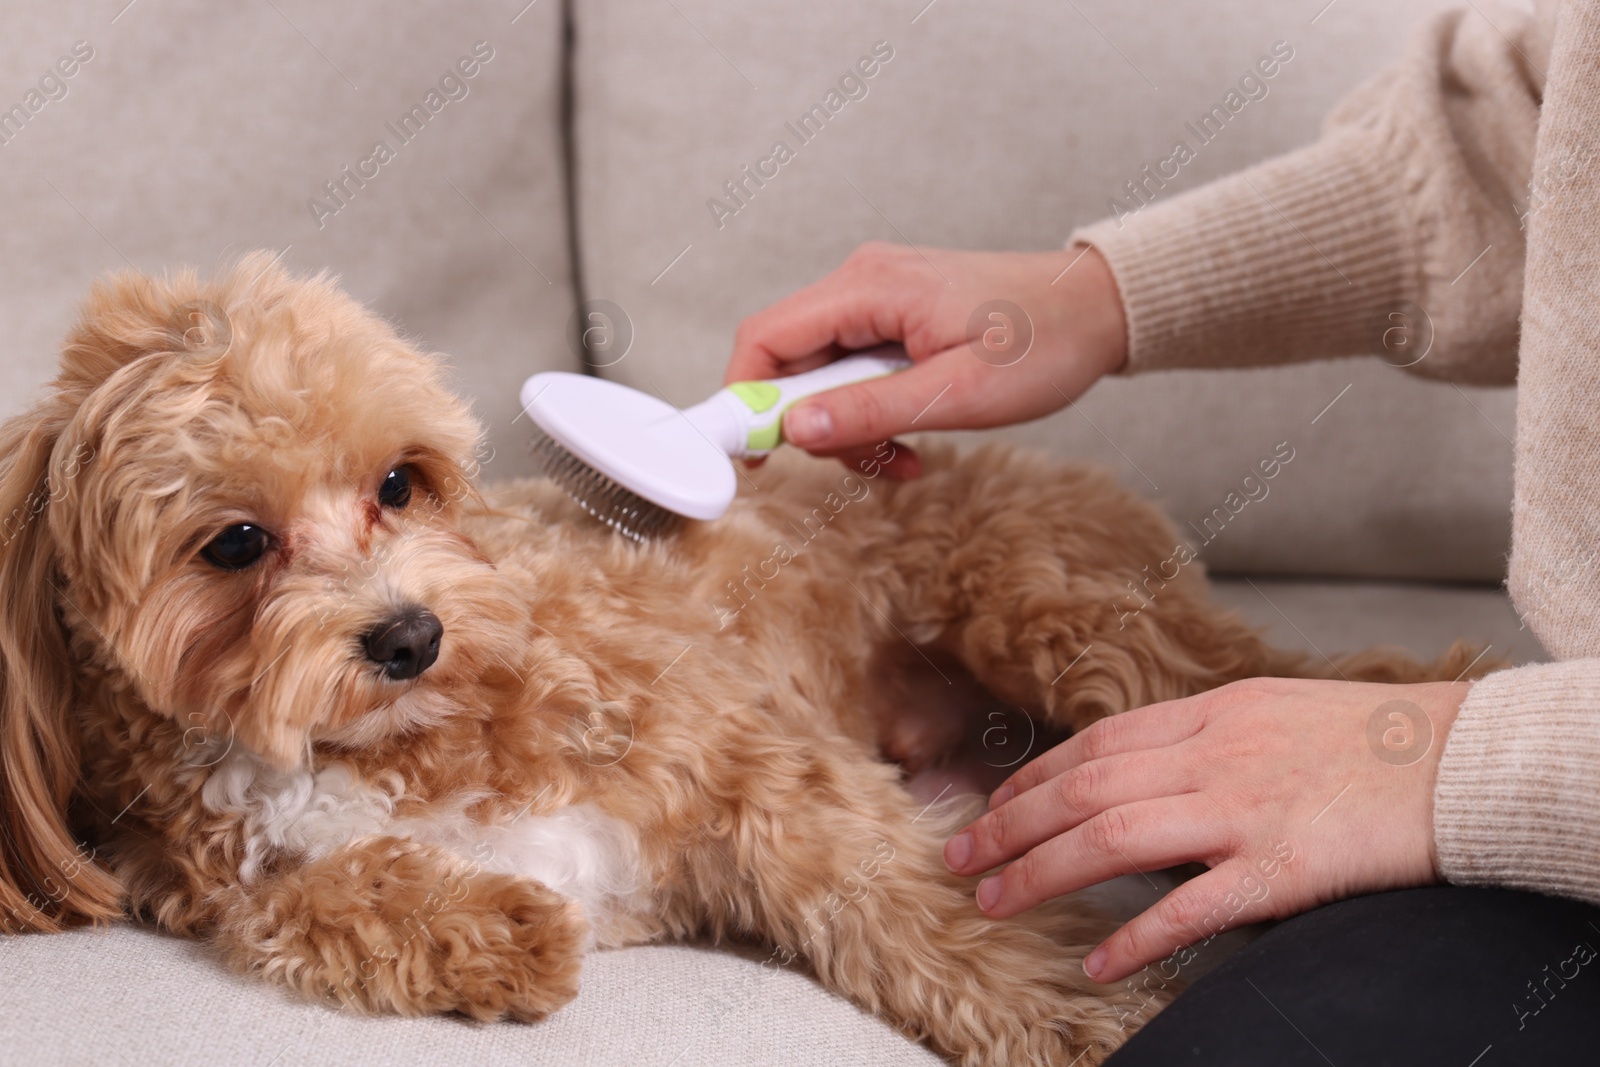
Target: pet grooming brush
point(637, 463)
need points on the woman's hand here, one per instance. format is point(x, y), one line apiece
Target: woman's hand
point(997, 338)
point(1295, 793)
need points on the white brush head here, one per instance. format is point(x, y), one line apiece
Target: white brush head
point(643, 446)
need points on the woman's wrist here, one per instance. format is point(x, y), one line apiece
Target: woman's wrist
point(1441, 702)
point(1095, 301)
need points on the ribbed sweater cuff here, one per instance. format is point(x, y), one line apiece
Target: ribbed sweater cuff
point(1517, 801)
point(1299, 258)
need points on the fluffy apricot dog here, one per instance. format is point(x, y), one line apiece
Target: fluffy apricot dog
point(276, 675)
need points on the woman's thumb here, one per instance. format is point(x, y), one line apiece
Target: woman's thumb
point(872, 411)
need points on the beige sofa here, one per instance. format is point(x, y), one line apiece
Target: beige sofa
point(577, 154)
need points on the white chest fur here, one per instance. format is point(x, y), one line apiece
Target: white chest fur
point(577, 851)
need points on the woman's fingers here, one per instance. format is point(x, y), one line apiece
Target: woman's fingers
point(1153, 726)
point(1143, 836)
point(864, 302)
point(763, 364)
point(1064, 802)
point(1229, 895)
point(933, 394)
point(798, 332)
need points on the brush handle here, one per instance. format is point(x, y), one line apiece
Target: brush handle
point(745, 419)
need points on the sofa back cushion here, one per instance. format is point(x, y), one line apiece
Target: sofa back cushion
point(1005, 125)
point(187, 132)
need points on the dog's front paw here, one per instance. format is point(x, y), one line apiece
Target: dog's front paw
point(393, 926)
point(510, 949)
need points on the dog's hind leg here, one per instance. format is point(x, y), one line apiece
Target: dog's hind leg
point(1061, 591)
point(1072, 597)
point(825, 857)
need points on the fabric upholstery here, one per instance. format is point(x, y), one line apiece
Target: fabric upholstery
point(130, 996)
point(198, 131)
point(1006, 125)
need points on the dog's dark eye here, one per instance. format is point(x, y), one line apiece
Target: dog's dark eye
point(236, 547)
point(395, 492)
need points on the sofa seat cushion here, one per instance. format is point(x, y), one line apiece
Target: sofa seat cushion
point(1336, 616)
point(131, 996)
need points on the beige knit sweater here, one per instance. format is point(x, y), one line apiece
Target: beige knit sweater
point(1484, 142)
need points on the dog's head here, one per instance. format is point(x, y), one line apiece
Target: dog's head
point(236, 509)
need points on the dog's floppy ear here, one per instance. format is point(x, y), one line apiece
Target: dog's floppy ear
point(47, 879)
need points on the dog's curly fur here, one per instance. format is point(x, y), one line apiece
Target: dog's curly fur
point(617, 744)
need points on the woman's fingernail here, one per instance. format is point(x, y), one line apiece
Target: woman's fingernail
point(958, 851)
point(807, 426)
point(1095, 963)
point(989, 892)
point(1001, 795)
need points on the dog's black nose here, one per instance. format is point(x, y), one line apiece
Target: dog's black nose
point(406, 644)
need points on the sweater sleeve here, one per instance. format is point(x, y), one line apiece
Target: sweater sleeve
point(1516, 803)
point(1399, 233)
point(1517, 800)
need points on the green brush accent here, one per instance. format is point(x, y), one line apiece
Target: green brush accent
point(757, 396)
point(767, 437)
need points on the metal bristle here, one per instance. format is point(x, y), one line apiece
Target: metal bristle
point(621, 509)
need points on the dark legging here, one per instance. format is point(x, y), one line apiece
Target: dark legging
point(1457, 977)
